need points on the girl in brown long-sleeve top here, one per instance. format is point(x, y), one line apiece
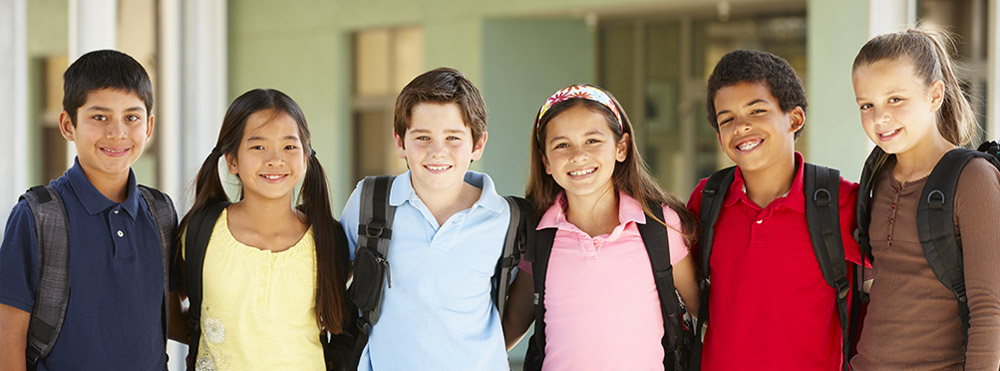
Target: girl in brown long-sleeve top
point(912, 107)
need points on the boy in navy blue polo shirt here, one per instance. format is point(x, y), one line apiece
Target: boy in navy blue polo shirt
point(113, 317)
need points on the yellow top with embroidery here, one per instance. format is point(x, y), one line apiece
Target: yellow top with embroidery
point(258, 309)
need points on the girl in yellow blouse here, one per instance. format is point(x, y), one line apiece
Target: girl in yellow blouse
point(273, 275)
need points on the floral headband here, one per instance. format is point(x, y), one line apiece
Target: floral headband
point(580, 91)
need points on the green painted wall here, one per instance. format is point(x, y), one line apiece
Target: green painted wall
point(836, 31)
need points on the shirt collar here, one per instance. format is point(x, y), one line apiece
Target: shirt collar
point(794, 199)
point(93, 200)
point(402, 191)
point(629, 210)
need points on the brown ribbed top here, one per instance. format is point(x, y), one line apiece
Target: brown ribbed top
point(912, 321)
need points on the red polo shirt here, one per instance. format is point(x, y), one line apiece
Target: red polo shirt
point(770, 307)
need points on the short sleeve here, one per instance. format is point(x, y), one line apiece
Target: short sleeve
point(848, 220)
point(349, 219)
point(675, 235)
point(19, 259)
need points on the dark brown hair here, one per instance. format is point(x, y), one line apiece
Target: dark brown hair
point(331, 258)
point(753, 66)
point(925, 50)
point(104, 69)
point(442, 85)
point(630, 176)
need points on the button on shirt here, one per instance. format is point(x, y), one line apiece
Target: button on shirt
point(770, 307)
point(438, 314)
point(588, 282)
point(116, 278)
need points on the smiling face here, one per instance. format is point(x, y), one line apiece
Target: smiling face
point(270, 159)
point(438, 147)
point(110, 132)
point(753, 130)
point(898, 110)
point(581, 152)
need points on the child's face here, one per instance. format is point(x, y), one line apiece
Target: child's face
point(438, 147)
point(753, 130)
point(581, 152)
point(898, 111)
point(111, 130)
point(270, 159)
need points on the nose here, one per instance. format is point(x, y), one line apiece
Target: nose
point(742, 124)
point(577, 154)
point(881, 117)
point(436, 148)
point(116, 129)
point(273, 157)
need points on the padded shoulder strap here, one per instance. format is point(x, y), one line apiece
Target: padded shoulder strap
point(822, 191)
point(375, 230)
point(540, 249)
point(52, 291)
point(165, 218)
point(513, 246)
point(712, 198)
point(198, 234)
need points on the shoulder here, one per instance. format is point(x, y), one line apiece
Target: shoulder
point(21, 220)
point(848, 192)
point(979, 173)
point(671, 217)
point(694, 201)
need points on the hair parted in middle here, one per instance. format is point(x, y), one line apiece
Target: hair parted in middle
point(442, 85)
point(331, 257)
point(752, 66)
point(630, 176)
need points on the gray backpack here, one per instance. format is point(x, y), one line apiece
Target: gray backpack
point(52, 292)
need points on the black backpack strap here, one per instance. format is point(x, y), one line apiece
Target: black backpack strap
point(712, 198)
point(677, 340)
point(371, 257)
point(538, 251)
point(52, 290)
point(198, 234)
point(513, 245)
point(161, 208)
point(822, 190)
point(936, 226)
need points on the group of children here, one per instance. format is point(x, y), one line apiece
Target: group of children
point(615, 273)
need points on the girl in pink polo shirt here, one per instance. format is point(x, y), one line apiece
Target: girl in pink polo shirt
point(601, 305)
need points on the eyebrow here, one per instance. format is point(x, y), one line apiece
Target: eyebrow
point(106, 109)
point(447, 131)
point(592, 132)
point(753, 102)
point(259, 138)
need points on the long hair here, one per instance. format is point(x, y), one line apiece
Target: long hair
point(926, 50)
point(331, 259)
point(630, 176)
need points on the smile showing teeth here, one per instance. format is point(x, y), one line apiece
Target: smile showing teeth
point(888, 133)
point(111, 150)
point(582, 172)
point(746, 146)
point(272, 177)
point(437, 168)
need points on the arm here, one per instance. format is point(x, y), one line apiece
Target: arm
point(976, 201)
point(178, 317)
point(13, 337)
point(686, 283)
point(520, 310)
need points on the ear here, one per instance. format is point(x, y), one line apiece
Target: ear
point(400, 147)
point(66, 126)
point(478, 147)
point(797, 118)
point(621, 150)
point(545, 161)
point(232, 164)
point(149, 127)
point(936, 94)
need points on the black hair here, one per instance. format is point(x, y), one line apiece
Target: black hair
point(754, 66)
point(104, 69)
point(328, 235)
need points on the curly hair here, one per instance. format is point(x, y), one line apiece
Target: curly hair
point(754, 66)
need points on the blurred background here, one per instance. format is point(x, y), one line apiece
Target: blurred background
point(344, 62)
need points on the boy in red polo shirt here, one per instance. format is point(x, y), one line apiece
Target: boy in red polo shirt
point(770, 306)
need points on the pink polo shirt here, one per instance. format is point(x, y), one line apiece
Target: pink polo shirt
point(770, 307)
point(602, 311)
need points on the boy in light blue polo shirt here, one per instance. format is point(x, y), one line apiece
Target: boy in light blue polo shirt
point(447, 235)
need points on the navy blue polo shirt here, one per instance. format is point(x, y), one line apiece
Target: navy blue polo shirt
point(116, 278)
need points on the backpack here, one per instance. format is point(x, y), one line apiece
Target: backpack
point(678, 337)
point(336, 347)
point(52, 292)
point(371, 265)
point(822, 189)
point(935, 217)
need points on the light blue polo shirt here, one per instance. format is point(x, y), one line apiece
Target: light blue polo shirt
point(438, 314)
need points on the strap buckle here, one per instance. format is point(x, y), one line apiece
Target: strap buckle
point(376, 229)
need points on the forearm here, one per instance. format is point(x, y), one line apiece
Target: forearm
point(520, 309)
point(13, 338)
point(178, 318)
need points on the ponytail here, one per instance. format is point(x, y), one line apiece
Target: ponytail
point(331, 255)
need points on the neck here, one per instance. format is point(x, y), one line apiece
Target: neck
point(765, 185)
point(265, 215)
point(445, 203)
point(920, 161)
point(115, 189)
point(595, 214)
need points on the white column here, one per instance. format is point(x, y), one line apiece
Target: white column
point(13, 93)
point(993, 77)
point(169, 99)
point(885, 16)
point(204, 84)
point(92, 26)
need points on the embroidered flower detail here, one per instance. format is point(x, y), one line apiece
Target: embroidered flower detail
point(204, 364)
point(213, 330)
